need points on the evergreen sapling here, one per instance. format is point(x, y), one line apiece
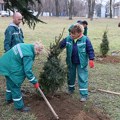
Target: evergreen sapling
point(54, 72)
point(104, 46)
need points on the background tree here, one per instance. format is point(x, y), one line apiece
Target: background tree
point(110, 8)
point(54, 7)
point(104, 46)
point(70, 8)
point(57, 7)
point(91, 6)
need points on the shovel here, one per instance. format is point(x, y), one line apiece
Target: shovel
point(47, 102)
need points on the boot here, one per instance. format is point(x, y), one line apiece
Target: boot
point(9, 102)
point(83, 99)
point(24, 109)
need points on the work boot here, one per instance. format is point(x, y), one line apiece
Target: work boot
point(24, 109)
point(83, 99)
point(9, 102)
point(70, 92)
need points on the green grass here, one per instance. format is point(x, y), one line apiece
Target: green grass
point(103, 76)
point(106, 77)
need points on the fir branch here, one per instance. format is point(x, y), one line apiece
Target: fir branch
point(21, 6)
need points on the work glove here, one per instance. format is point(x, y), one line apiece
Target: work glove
point(91, 63)
point(36, 85)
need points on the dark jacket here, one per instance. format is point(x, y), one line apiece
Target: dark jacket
point(75, 56)
point(13, 36)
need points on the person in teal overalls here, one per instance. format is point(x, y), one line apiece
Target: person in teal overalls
point(13, 33)
point(85, 24)
point(79, 50)
point(16, 64)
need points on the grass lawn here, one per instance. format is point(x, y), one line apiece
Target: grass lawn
point(103, 76)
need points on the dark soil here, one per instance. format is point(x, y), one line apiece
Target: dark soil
point(108, 59)
point(65, 107)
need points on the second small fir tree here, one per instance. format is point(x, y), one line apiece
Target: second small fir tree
point(104, 46)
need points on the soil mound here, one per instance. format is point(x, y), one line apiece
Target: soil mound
point(65, 106)
point(108, 59)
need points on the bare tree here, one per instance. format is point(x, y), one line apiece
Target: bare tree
point(80, 8)
point(70, 7)
point(49, 7)
point(57, 7)
point(110, 8)
point(35, 6)
point(39, 9)
point(63, 7)
point(66, 7)
point(91, 6)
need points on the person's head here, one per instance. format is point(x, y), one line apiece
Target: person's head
point(38, 47)
point(79, 21)
point(77, 31)
point(84, 23)
point(70, 28)
point(17, 18)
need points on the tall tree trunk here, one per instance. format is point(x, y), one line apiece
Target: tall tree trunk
point(92, 9)
point(57, 7)
point(110, 8)
point(39, 9)
point(66, 7)
point(70, 5)
point(91, 6)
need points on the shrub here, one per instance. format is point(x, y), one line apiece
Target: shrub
point(104, 46)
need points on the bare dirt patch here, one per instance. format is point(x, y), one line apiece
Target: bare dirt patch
point(108, 59)
point(65, 106)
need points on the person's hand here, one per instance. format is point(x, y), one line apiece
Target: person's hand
point(36, 85)
point(91, 63)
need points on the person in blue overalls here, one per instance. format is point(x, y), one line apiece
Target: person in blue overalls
point(16, 64)
point(78, 50)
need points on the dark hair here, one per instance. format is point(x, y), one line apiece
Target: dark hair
point(119, 24)
point(85, 22)
point(79, 21)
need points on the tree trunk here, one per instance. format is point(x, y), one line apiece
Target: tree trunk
point(57, 7)
point(92, 11)
point(70, 5)
point(110, 8)
point(91, 6)
point(66, 7)
point(39, 9)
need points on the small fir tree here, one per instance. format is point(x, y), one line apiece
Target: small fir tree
point(104, 46)
point(54, 72)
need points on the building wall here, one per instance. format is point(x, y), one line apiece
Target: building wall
point(116, 11)
point(102, 11)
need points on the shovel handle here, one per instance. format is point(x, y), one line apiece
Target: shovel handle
point(47, 102)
